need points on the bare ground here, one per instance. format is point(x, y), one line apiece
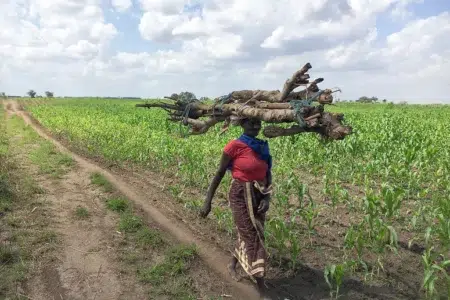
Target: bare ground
point(86, 267)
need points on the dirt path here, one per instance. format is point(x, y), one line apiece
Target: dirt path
point(83, 265)
point(87, 268)
point(88, 272)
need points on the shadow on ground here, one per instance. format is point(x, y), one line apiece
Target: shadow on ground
point(309, 284)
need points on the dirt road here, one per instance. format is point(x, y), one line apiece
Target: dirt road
point(83, 263)
point(86, 270)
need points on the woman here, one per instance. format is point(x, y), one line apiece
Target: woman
point(250, 163)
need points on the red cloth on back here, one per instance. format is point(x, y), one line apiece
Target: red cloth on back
point(247, 166)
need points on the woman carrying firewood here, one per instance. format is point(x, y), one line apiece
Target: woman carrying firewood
point(250, 163)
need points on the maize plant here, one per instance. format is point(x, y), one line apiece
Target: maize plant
point(390, 175)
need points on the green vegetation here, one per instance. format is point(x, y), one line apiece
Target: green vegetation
point(81, 212)
point(100, 180)
point(117, 204)
point(12, 270)
point(143, 247)
point(175, 262)
point(50, 160)
point(169, 277)
point(391, 178)
point(130, 223)
point(46, 237)
point(147, 237)
point(23, 238)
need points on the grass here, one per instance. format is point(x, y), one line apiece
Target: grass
point(81, 212)
point(169, 277)
point(100, 180)
point(117, 204)
point(8, 255)
point(141, 244)
point(18, 128)
point(178, 287)
point(130, 223)
point(25, 242)
point(46, 237)
point(5, 200)
point(50, 160)
point(43, 154)
point(147, 237)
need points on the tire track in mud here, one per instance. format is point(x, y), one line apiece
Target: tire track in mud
point(215, 257)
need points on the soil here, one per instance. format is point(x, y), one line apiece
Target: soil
point(86, 267)
point(147, 190)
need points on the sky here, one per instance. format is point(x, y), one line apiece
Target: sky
point(397, 50)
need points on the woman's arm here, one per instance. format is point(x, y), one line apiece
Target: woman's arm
point(224, 162)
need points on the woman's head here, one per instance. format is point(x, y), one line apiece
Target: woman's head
point(251, 126)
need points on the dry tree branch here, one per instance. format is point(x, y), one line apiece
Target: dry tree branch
point(286, 106)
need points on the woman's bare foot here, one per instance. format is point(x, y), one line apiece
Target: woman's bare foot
point(232, 270)
point(262, 289)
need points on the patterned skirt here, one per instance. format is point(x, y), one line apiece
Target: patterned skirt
point(244, 199)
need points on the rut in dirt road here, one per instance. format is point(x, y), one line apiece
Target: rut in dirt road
point(216, 258)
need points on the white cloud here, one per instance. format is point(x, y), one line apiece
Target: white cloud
point(215, 46)
point(222, 46)
point(168, 7)
point(52, 36)
point(121, 5)
point(157, 26)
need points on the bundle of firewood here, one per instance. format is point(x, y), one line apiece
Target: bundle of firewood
point(304, 108)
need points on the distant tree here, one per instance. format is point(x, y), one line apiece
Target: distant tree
point(3, 95)
point(49, 94)
point(31, 93)
point(362, 99)
point(204, 99)
point(384, 100)
point(365, 99)
point(187, 96)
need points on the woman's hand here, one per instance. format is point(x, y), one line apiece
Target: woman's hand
point(224, 162)
point(206, 209)
point(263, 206)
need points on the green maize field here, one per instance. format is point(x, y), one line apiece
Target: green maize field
point(387, 185)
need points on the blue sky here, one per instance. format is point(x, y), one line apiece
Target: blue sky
point(386, 24)
point(394, 49)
